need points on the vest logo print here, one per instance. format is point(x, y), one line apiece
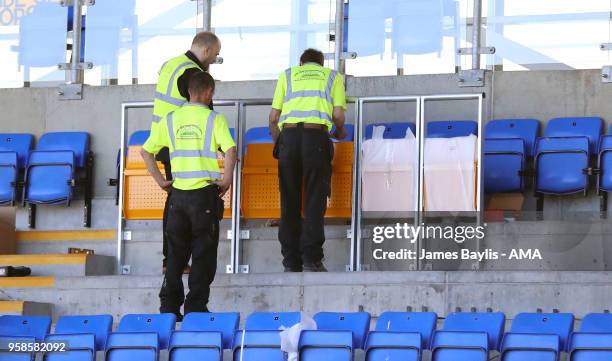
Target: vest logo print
point(189, 132)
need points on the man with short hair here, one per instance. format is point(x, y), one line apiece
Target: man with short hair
point(308, 101)
point(172, 92)
point(192, 134)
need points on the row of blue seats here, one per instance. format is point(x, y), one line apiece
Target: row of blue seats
point(398, 336)
point(47, 174)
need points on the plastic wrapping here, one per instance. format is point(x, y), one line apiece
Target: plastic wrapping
point(450, 174)
point(389, 172)
point(290, 337)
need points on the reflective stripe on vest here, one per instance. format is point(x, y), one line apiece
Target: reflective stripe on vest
point(193, 153)
point(305, 114)
point(196, 174)
point(326, 95)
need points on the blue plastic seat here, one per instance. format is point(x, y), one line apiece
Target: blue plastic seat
point(537, 336)
point(258, 135)
point(400, 336)
point(85, 336)
point(594, 340)
point(562, 156)
point(52, 166)
point(203, 336)
point(5, 350)
point(468, 336)
point(508, 144)
point(14, 152)
point(139, 137)
point(337, 335)
point(392, 130)
point(605, 163)
point(260, 340)
point(25, 326)
point(140, 337)
point(451, 128)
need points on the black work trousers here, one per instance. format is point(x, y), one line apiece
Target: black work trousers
point(193, 230)
point(304, 163)
point(164, 157)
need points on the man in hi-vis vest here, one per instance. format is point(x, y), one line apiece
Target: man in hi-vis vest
point(192, 134)
point(308, 101)
point(172, 92)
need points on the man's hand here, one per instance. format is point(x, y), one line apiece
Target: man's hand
point(223, 185)
point(340, 133)
point(166, 185)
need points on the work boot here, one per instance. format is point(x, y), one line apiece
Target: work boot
point(315, 267)
point(293, 269)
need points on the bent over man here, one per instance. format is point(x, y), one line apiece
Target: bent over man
point(308, 101)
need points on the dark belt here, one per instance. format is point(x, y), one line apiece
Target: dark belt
point(305, 125)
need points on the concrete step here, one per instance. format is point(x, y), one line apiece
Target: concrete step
point(62, 264)
point(27, 282)
point(25, 308)
point(441, 292)
point(102, 242)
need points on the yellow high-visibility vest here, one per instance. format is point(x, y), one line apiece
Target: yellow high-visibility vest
point(308, 95)
point(167, 95)
point(193, 158)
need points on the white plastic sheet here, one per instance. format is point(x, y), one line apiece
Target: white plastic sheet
point(290, 337)
point(450, 178)
point(389, 172)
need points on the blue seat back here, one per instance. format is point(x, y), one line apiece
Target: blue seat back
point(195, 345)
point(258, 135)
point(560, 324)
point(451, 128)
point(357, 322)
point(77, 142)
point(591, 346)
point(19, 143)
point(99, 325)
point(257, 345)
point(597, 323)
point(27, 326)
point(78, 347)
point(423, 323)
point(326, 345)
point(225, 323)
point(391, 345)
point(133, 345)
point(7, 355)
point(392, 130)
point(162, 324)
point(460, 345)
point(492, 323)
point(605, 163)
point(560, 164)
point(271, 321)
point(8, 176)
point(350, 133)
point(48, 176)
point(504, 162)
point(139, 137)
point(590, 127)
point(525, 129)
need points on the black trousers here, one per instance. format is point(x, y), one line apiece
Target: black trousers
point(193, 230)
point(164, 157)
point(304, 162)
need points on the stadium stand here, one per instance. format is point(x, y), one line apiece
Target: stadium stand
point(400, 336)
point(14, 153)
point(337, 335)
point(468, 336)
point(392, 130)
point(203, 336)
point(52, 172)
point(140, 337)
point(508, 145)
point(537, 336)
